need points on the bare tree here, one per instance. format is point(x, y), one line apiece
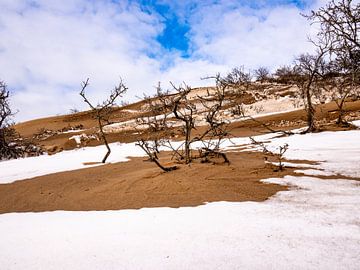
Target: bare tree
point(103, 111)
point(236, 83)
point(171, 111)
point(5, 111)
point(341, 83)
point(286, 75)
point(262, 74)
point(152, 150)
point(184, 110)
point(237, 77)
point(12, 145)
point(339, 23)
point(6, 151)
point(155, 128)
point(310, 68)
point(217, 127)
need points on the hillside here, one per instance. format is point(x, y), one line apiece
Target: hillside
point(275, 105)
point(210, 211)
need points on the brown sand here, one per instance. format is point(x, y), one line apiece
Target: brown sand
point(138, 183)
point(238, 129)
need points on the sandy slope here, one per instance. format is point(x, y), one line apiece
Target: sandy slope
point(139, 184)
point(274, 105)
point(280, 222)
point(313, 225)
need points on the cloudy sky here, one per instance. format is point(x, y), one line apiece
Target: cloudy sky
point(47, 47)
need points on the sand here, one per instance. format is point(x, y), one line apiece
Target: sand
point(139, 183)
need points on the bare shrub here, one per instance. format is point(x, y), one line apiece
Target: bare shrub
point(156, 129)
point(236, 78)
point(12, 145)
point(168, 112)
point(279, 155)
point(5, 112)
point(339, 23)
point(262, 74)
point(286, 75)
point(103, 111)
point(310, 69)
point(74, 110)
point(341, 85)
point(261, 145)
point(7, 132)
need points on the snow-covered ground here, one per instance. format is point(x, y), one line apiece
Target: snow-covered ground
point(315, 225)
point(338, 153)
point(19, 169)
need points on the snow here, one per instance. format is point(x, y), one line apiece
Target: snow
point(356, 123)
point(124, 126)
point(72, 131)
point(314, 225)
point(25, 168)
point(338, 152)
point(131, 125)
point(130, 111)
point(270, 106)
point(77, 138)
point(20, 169)
point(257, 115)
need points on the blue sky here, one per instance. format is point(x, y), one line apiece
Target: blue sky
point(51, 46)
point(176, 28)
point(176, 18)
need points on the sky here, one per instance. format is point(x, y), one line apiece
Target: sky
point(49, 47)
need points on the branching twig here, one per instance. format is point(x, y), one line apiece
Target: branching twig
point(103, 111)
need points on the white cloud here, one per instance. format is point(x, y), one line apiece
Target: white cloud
point(49, 50)
point(270, 37)
point(51, 46)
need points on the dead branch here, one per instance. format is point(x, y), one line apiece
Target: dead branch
point(103, 111)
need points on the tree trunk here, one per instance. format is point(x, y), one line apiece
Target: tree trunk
point(187, 142)
point(103, 137)
point(310, 111)
point(165, 169)
point(340, 119)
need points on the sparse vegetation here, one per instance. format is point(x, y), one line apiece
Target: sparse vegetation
point(237, 78)
point(157, 127)
point(12, 146)
point(310, 69)
point(103, 111)
point(262, 74)
point(6, 151)
point(179, 109)
point(339, 23)
point(279, 155)
point(333, 69)
point(286, 75)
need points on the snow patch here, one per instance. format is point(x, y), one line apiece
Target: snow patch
point(337, 151)
point(72, 131)
point(356, 123)
point(19, 169)
point(313, 226)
